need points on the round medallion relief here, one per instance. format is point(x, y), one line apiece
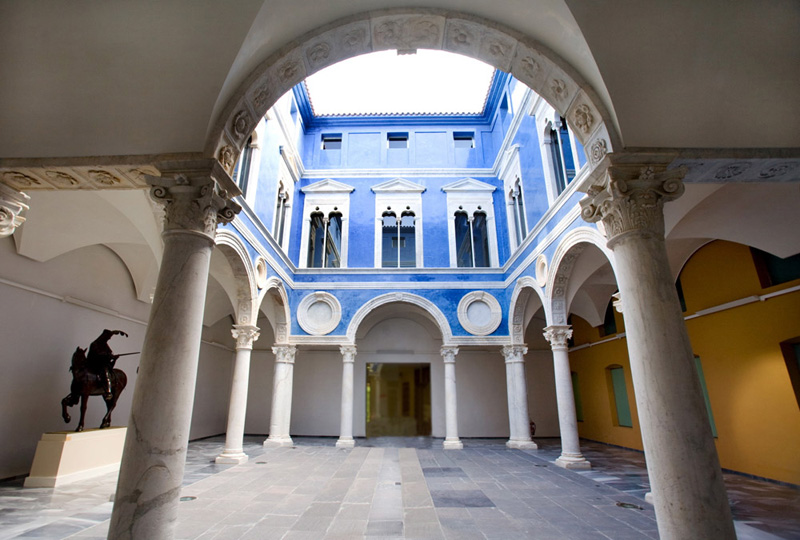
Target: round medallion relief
point(261, 273)
point(319, 313)
point(541, 270)
point(479, 313)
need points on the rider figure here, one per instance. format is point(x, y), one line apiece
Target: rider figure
point(101, 359)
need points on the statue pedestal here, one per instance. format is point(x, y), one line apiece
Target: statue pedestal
point(67, 456)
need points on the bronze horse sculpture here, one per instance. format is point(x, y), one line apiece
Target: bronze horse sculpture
point(95, 376)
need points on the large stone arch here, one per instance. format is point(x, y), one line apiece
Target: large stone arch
point(279, 316)
point(236, 254)
point(429, 307)
point(526, 59)
point(523, 289)
point(569, 249)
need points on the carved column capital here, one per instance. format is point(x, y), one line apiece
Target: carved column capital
point(13, 204)
point(284, 354)
point(629, 197)
point(245, 335)
point(558, 335)
point(348, 353)
point(514, 353)
point(449, 353)
point(195, 194)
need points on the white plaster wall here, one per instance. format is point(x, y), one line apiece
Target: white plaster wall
point(213, 387)
point(316, 393)
point(259, 394)
point(482, 397)
point(542, 405)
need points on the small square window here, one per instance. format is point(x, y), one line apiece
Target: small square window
point(464, 139)
point(397, 140)
point(332, 141)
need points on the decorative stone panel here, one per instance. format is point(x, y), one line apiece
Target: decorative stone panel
point(407, 32)
point(319, 313)
point(479, 313)
point(78, 177)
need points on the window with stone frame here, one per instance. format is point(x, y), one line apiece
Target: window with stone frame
point(398, 230)
point(325, 225)
point(471, 227)
point(557, 137)
point(516, 200)
point(281, 206)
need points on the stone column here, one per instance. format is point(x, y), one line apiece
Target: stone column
point(685, 476)
point(451, 440)
point(244, 335)
point(13, 205)
point(281, 396)
point(571, 457)
point(519, 421)
point(346, 429)
point(151, 472)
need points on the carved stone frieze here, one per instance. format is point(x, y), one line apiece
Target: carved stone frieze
point(630, 199)
point(242, 125)
point(13, 205)
point(103, 178)
point(62, 179)
point(227, 157)
point(407, 32)
point(598, 151)
point(77, 177)
point(245, 335)
point(530, 66)
point(560, 280)
point(717, 170)
point(19, 180)
point(774, 171)
point(733, 169)
point(583, 119)
point(558, 335)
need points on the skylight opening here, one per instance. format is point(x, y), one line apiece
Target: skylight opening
point(385, 83)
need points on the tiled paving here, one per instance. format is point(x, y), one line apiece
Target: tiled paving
point(398, 488)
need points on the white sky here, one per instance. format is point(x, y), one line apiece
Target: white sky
point(385, 82)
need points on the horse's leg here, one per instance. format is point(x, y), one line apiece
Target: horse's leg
point(66, 402)
point(84, 400)
point(110, 403)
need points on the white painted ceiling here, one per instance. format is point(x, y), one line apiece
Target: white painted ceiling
point(100, 78)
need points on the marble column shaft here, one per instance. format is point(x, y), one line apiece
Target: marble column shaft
point(346, 430)
point(519, 420)
point(151, 472)
point(281, 414)
point(685, 477)
point(233, 453)
point(571, 456)
point(451, 440)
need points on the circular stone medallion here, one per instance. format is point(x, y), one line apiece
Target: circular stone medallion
point(261, 273)
point(319, 313)
point(479, 313)
point(541, 270)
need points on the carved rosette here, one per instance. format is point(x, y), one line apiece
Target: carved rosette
point(514, 353)
point(558, 336)
point(245, 335)
point(348, 353)
point(192, 203)
point(284, 354)
point(13, 204)
point(449, 353)
point(631, 199)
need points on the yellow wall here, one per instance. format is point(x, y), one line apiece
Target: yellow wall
point(755, 409)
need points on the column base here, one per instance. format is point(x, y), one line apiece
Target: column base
point(648, 497)
point(233, 458)
point(345, 442)
point(278, 442)
point(521, 444)
point(452, 444)
point(573, 463)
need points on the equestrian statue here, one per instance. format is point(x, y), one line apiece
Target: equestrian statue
point(94, 375)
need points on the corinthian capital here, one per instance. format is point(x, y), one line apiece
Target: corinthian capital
point(558, 336)
point(514, 353)
point(13, 204)
point(196, 195)
point(629, 197)
point(245, 335)
point(348, 353)
point(449, 353)
point(284, 354)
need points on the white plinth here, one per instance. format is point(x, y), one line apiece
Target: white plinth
point(66, 456)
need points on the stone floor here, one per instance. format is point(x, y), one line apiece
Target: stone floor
point(397, 488)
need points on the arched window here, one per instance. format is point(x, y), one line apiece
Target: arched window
point(398, 240)
point(280, 213)
point(518, 209)
point(241, 173)
point(472, 240)
point(557, 137)
point(325, 240)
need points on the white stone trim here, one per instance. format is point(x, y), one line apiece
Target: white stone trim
point(479, 327)
point(470, 196)
point(419, 301)
point(541, 270)
point(399, 194)
point(329, 196)
point(319, 324)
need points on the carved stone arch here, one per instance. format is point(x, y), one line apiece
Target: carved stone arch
point(235, 252)
point(524, 287)
point(409, 298)
point(281, 317)
point(530, 62)
point(569, 249)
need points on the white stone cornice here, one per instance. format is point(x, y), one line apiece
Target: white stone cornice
point(327, 186)
point(558, 335)
point(245, 335)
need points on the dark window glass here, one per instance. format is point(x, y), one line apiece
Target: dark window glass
point(397, 140)
point(316, 235)
point(332, 141)
point(774, 270)
point(480, 242)
point(463, 241)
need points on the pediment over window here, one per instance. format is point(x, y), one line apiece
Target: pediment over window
point(398, 185)
point(327, 186)
point(468, 185)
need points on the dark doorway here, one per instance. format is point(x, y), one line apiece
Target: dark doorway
point(398, 400)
